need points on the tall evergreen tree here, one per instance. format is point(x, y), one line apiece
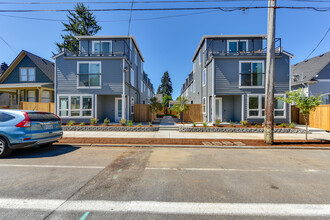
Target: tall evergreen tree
point(81, 23)
point(165, 87)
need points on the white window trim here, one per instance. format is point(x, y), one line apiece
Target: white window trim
point(200, 57)
point(80, 109)
point(102, 41)
point(132, 105)
point(141, 89)
point(240, 78)
point(247, 45)
point(204, 79)
point(89, 87)
point(27, 74)
point(204, 105)
point(260, 104)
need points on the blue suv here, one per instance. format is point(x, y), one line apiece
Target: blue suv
point(21, 129)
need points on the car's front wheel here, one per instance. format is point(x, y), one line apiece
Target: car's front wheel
point(4, 149)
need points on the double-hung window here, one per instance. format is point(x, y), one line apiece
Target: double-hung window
point(102, 47)
point(234, 46)
point(132, 105)
point(89, 74)
point(251, 73)
point(204, 105)
point(27, 74)
point(256, 106)
point(204, 77)
point(132, 77)
point(194, 86)
point(75, 105)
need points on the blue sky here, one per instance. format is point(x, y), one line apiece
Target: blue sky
point(168, 43)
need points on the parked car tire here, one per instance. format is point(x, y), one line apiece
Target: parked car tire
point(4, 149)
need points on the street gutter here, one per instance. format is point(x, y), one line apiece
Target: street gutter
point(196, 146)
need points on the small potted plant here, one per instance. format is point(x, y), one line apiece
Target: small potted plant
point(217, 122)
point(94, 121)
point(70, 123)
point(106, 121)
point(130, 123)
point(122, 122)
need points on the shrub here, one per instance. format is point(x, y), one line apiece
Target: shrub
point(139, 125)
point(150, 124)
point(123, 122)
point(106, 121)
point(292, 125)
point(244, 123)
point(282, 125)
point(94, 121)
point(257, 125)
point(130, 123)
point(204, 124)
point(231, 124)
point(217, 122)
point(70, 123)
point(194, 124)
point(82, 124)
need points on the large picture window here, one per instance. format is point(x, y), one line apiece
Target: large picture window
point(256, 106)
point(102, 47)
point(89, 74)
point(251, 73)
point(237, 46)
point(75, 105)
point(27, 74)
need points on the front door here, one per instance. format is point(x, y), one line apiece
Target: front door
point(218, 108)
point(118, 112)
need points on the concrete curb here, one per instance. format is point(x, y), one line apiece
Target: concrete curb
point(196, 146)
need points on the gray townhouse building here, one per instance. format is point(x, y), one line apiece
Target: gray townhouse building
point(100, 77)
point(228, 78)
point(313, 75)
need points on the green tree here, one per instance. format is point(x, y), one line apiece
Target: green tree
point(303, 102)
point(182, 106)
point(165, 87)
point(155, 106)
point(166, 100)
point(81, 23)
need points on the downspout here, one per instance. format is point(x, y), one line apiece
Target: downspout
point(290, 87)
point(213, 93)
point(123, 101)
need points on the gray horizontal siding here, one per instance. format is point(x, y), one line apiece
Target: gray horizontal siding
point(66, 76)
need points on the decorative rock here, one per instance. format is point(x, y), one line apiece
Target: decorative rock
point(239, 130)
point(110, 128)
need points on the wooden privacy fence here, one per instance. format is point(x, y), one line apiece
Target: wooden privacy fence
point(38, 106)
point(320, 118)
point(142, 113)
point(296, 116)
point(194, 114)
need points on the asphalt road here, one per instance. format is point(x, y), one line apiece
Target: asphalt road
point(65, 182)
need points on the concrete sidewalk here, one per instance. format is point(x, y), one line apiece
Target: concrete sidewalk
point(192, 135)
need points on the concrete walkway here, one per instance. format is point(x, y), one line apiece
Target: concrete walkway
point(167, 121)
point(192, 135)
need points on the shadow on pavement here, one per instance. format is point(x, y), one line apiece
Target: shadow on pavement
point(40, 152)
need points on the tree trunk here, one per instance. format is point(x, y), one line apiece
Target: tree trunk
point(306, 122)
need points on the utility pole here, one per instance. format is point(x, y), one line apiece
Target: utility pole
point(270, 69)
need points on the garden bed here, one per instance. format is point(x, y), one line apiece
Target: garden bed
point(239, 129)
point(110, 128)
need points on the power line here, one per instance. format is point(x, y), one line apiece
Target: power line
point(11, 47)
point(122, 20)
point(130, 18)
point(150, 2)
point(318, 44)
point(321, 9)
